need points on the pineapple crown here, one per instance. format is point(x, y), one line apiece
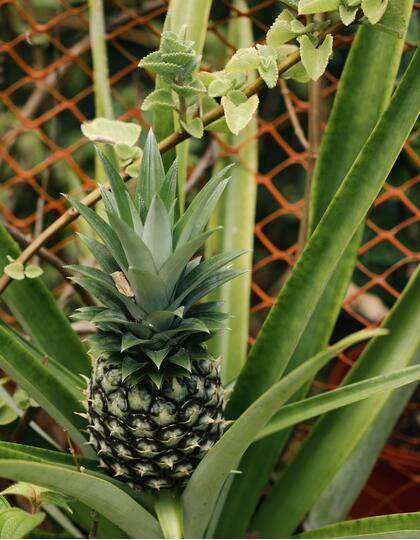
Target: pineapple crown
point(151, 320)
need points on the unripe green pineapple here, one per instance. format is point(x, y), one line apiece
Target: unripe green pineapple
point(155, 400)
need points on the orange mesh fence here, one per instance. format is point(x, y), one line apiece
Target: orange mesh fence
point(46, 91)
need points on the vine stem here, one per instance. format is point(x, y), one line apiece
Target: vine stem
point(169, 512)
point(166, 144)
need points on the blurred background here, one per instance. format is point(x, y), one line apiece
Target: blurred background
point(47, 91)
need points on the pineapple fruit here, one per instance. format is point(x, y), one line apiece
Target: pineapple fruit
point(155, 399)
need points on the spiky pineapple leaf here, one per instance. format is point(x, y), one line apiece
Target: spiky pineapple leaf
point(101, 254)
point(204, 271)
point(149, 289)
point(157, 357)
point(136, 251)
point(198, 213)
point(168, 190)
point(157, 233)
point(176, 263)
point(152, 173)
point(119, 189)
point(102, 228)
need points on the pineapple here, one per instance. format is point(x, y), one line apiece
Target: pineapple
point(155, 399)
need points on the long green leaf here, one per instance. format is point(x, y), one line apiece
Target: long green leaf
point(119, 189)
point(292, 414)
point(365, 85)
point(338, 498)
point(204, 487)
point(337, 433)
point(297, 300)
point(90, 490)
point(47, 390)
point(39, 315)
point(236, 214)
point(390, 526)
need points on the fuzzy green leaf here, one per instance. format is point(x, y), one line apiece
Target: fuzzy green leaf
point(238, 116)
point(15, 523)
point(347, 14)
point(162, 97)
point(307, 7)
point(107, 131)
point(32, 271)
point(15, 270)
point(315, 59)
point(280, 31)
point(194, 127)
point(245, 59)
point(374, 9)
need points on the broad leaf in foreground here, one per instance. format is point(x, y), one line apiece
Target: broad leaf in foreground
point(214, 469)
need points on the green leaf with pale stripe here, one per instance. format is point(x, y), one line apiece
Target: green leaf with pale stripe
point(37, 312)
point(389, 526)
point(119, 189)
point(300, 411)
point(215, 467)
point(337, 433)
point(93, 491)
point(47, 390)
point(136, 251)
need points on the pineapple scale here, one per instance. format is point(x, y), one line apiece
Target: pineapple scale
point(154, 438)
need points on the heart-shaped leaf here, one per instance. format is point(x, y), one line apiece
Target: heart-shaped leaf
point(280, 31)
point(306, 7)
point(243, 60)
point(347, 14)
point(32, 271)
point(238, 116)
point(162, 97)
point(220, 86)
point(111, 131)
point(194, 127)
point(374, 9)
point(15, 270)
point(267, 68)
point(315, 59)
point(297, 73)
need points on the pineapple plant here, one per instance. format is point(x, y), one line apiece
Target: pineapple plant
point(155, 399)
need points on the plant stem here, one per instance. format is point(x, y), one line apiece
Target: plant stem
point(169, 142)
point(103, 99)
point(169, 512)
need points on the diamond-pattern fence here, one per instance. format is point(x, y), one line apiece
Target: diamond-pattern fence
point(46, 92)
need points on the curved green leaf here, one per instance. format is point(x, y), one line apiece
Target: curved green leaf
point(391, 526)
point(214, 469)
point(337, 433)
point(300, 411)
point(38, 313)
point(47, 390)
point(15, 523)
point(99, 494)
point(366, 84)
point(299, 296)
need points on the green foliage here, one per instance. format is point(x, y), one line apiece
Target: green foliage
point(16, 523)
point(150, 291)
